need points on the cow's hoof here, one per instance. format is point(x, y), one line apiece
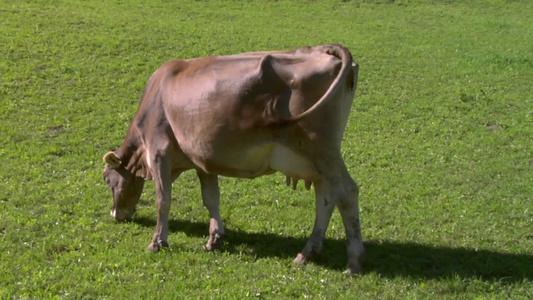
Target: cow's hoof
point(210, 246)
point(353, 270)
point(157, 246)
point(216, 243)
point(301, 259)
point(354, 266)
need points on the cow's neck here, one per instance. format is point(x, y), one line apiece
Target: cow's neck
point(133, 155)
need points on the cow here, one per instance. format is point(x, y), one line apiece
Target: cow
point(244, 115)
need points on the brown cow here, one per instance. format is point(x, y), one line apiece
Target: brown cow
point(244, 115)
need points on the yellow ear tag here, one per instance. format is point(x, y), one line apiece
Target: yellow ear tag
point(112, 160)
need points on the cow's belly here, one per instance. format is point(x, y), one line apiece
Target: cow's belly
point(262, 160)
point(292, 164)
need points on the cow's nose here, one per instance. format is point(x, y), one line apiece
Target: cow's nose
point(115, 214)
point(121, 215)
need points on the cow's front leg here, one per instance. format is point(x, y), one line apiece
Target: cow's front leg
point(163, 188)
point(211, 199)
point(324, 205)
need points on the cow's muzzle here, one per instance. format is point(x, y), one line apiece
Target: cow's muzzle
point(121, 215)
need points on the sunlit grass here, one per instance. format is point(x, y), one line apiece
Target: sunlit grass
point(439, 140)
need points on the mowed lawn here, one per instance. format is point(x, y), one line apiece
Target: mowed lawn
point(440, 140)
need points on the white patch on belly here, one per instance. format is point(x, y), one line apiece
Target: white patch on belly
point(251, 162)
point(292, 164)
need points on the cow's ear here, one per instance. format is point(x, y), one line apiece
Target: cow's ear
point(112, 160)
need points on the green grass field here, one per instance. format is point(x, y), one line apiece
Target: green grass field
point(440, 140)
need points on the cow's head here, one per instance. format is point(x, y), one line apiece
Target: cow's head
point(125, 187)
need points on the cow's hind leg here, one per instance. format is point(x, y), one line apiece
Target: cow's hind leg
point(336, 188)
point(348, 205)
point(324, 205)
point(211, 199)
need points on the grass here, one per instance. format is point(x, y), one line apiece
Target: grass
point(440, 141)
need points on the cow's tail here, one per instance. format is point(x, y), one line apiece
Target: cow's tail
point(345, 75)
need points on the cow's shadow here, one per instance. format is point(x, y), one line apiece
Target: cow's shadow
point(389, 259)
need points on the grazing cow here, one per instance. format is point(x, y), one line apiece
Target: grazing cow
point(244, 115)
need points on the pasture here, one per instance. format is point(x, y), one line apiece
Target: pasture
point(440, 140)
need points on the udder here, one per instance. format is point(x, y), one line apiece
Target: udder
point(293, 165)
